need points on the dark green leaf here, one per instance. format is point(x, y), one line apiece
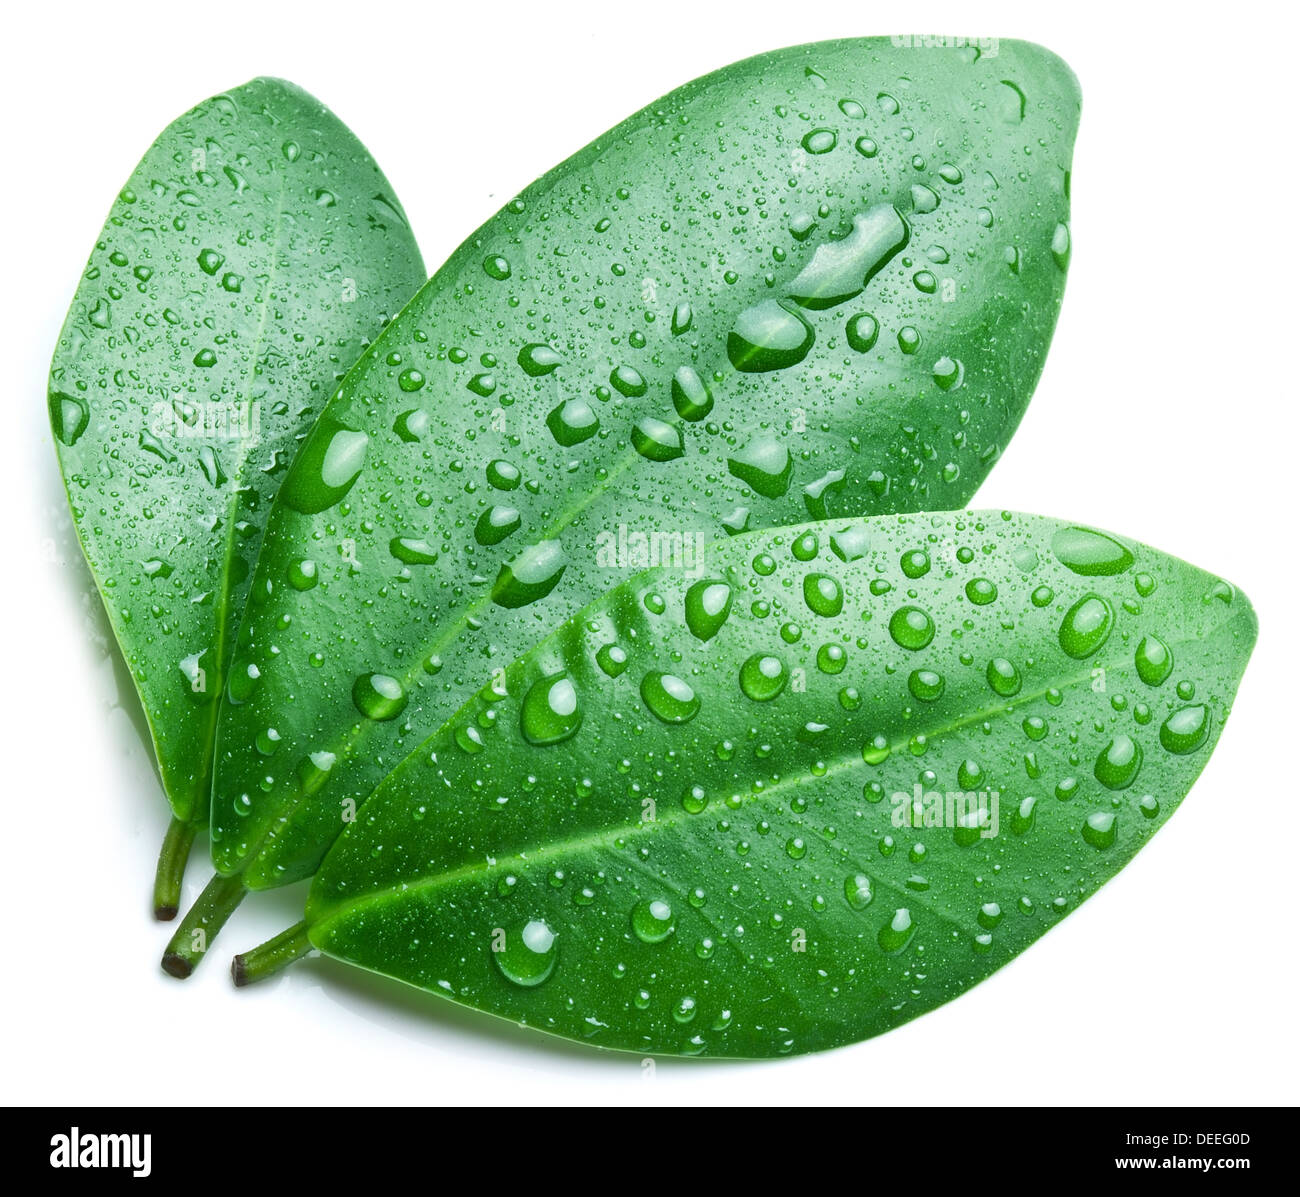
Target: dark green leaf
point(242, 269)
point(897, 753)
point(818, 282)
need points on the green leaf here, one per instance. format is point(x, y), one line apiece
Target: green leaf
point(730, 311)
point(898, 752)
point(244, 266)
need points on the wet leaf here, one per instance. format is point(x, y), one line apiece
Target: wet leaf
point(790, 289)
point(244, 266)
point(910, 747)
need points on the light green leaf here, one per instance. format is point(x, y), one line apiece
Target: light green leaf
point(818, 282)
point(244, 266)
point(827, 783)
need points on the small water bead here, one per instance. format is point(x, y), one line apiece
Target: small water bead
point(763, 677)
point(682, 319)
point(1086, 626)
point(303, 574)
point(1119, 763)
point(909, 340)
point(948, 373)
point(1149, 806)
point(550, 712)
point(1145, 585)
point(796, 848)
point(1042, 596)
point(981, 591)
point(378, 696)
point(1003, 677)
point(911, 628)
point(896, 934)
point(1153, 660)
point(926, 685)
point(410, 380)
point(668, 698)
point(1100, 828)
point(1186, 730)
point(528, 955)
point(823, 595)
point(684, 1010)
point(1090, 553)
point(876, 750)
point(866, 147)
point(495, 266)
point(694, 800)
point(652, 920)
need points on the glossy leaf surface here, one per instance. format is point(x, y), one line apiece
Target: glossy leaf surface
point(818, 282)
point(826, 784)
point(250, 258)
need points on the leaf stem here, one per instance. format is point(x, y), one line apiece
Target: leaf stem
point(269, 958)
point(199, 927)
point(171, 867)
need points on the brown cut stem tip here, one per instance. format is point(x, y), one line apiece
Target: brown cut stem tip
point(175, 965)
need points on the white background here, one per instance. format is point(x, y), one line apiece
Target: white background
point(1166, 412)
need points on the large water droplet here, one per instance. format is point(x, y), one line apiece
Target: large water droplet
point(763, 465)
point(1119, 763)
point(538, 360)
point(1186, 730)
point(1090, 553)
point(69, 417)
point(657, 440)
point(769, 336)
point(1086, 626)
point(763, 677)
point(896, 934)
point(528, 954)
point(840, 270)
point(325, 467)
point(911, 628)
point(691, 395)
point(652, 920)
point(532, 575)
point(572, 422)
point(669, 698)
point(1153, 659)
point(708, 603)
point(551, 712)
point(378, 696)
